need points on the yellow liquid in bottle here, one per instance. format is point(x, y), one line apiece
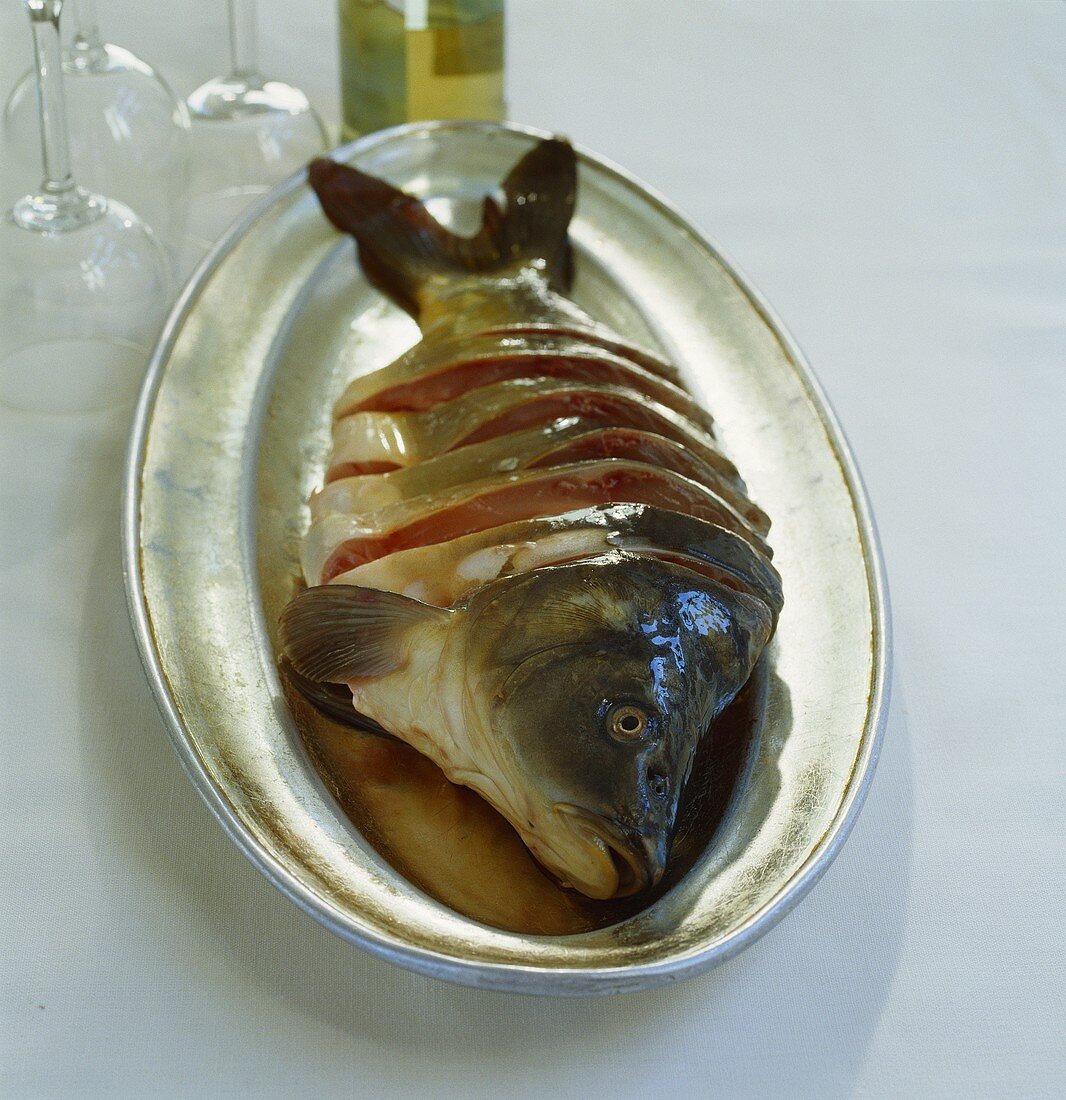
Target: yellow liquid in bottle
point(442, 59)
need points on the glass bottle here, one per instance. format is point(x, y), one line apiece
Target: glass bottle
point(404, 60)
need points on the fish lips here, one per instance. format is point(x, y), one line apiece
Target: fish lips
point(637, 855)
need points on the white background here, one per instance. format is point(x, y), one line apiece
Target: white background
point(893, 178)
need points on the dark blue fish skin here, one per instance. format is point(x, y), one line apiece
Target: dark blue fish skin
point(563, 649)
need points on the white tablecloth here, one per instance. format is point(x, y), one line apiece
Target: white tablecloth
point(893, 178)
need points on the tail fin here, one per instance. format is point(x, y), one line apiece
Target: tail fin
point(402, 247)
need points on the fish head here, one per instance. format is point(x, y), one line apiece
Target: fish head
point(603, 676)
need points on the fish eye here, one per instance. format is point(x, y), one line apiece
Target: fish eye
point(627, 722)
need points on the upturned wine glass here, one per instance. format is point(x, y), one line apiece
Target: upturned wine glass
point(128, 132)
point(84, 282)
point(248, 133)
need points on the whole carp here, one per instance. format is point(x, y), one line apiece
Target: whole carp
point(531, 560)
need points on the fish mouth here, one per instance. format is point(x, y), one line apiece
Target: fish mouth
point(632, 859)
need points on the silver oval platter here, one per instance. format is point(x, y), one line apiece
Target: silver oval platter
point(230, 436)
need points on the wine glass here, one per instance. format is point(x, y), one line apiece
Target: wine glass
point(248, 133)
point(129, 133)
point(83, 281)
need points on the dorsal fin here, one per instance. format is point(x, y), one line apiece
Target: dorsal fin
point(402, 246)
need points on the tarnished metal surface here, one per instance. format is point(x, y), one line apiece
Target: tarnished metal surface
point(230, 437)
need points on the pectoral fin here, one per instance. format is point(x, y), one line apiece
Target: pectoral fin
point(340, 632)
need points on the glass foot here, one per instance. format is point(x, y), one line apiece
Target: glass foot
point(231, 97)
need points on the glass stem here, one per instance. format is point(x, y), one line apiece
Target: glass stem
point(55, 145)
point(60, 205)
point(244, 43)
point(88, 49)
